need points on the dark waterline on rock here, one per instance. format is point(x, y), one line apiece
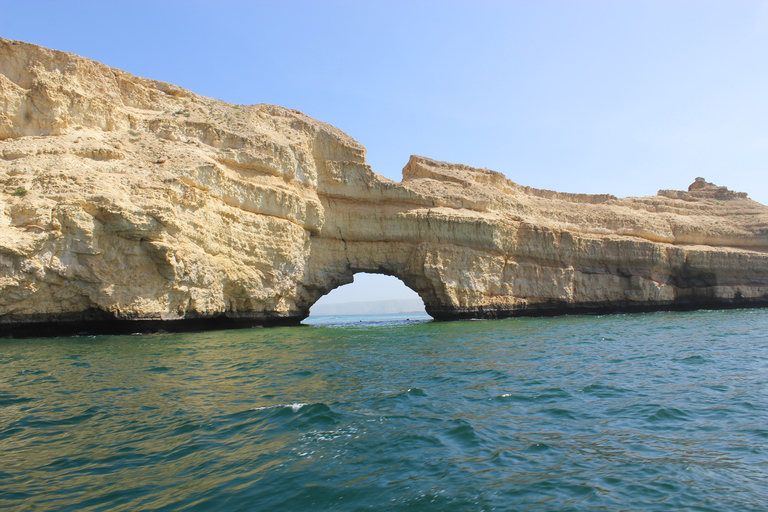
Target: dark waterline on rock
point(98, 322)
point(657, 411)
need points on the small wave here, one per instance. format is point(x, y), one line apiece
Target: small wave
point(51, 422)
point(559, 413)
point(419, 441)
point(512, 397)
point(537, 448)
point(694, 360)
point(463, 433)
point(406, 395)
point(758, 432)
point(293, 407)
point(298, 415)
point(329, 435)
point(601, 391)
point(551, 394)
point(8, 399)
point(668, 414)
point(485, 372)
point(543, 396)
point(159, 369)
point(747, 405)
point(31, 372)
point(244, 367)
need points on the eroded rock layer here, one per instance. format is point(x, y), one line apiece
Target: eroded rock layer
point(127, 200)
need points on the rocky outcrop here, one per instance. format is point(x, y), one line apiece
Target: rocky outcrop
point(127, 203)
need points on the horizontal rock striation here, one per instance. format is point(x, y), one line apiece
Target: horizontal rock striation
point(130, 204)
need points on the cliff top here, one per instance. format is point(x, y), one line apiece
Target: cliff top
point(125, 139)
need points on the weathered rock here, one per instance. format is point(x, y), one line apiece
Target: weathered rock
point(127, 200)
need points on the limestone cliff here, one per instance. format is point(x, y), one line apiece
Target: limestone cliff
point(127, 199)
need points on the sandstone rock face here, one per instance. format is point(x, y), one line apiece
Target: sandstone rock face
point(126, 199)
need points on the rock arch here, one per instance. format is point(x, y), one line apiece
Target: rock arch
point(473, 244)
point(375, 292)
point(340, 265)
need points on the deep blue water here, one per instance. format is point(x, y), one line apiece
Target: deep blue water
point(662, 411)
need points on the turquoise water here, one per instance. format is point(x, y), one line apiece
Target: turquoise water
point(663, 411)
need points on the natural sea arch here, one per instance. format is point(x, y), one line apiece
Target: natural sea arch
point(367, 287)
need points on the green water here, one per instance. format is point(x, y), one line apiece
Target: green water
point(663, 411)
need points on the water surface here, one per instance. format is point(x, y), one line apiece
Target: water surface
point(661, 411)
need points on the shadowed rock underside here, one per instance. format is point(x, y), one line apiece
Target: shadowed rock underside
point(128, 204)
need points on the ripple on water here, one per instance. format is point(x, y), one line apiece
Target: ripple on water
point(559, 413)
point(318, 414)
point(460, 432)
point(419, 441)
point(159, 369)
point(601, 391)
point(537, 448)
point(671, 414)
point(416, 392)
point(12, 399)
point(694, 360)
point(513, 398)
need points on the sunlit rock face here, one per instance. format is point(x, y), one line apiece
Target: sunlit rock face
point(127, 200)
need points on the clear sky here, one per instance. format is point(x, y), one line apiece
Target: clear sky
point(616, 96)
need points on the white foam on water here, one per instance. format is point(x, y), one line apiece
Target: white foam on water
point(294, 407)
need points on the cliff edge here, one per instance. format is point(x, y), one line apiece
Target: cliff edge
point(127, 203)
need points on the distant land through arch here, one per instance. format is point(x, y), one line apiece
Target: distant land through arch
point(369, 294)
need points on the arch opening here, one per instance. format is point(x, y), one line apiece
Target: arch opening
point(370, 294)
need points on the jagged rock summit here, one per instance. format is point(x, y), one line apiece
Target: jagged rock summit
point(127, 203)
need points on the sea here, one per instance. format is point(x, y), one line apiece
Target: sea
point(655, 411)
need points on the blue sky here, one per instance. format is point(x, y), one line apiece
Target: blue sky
point(621, 97)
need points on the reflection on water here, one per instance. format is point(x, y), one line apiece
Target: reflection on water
point(632, 412)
